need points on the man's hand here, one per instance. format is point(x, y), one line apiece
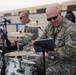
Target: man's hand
point(46, 55)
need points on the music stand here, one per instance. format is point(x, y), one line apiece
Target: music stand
point(48, 44)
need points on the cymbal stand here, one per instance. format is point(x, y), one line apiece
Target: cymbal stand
point(3, 47)
point(20, 70)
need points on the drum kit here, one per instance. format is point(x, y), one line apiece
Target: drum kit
point(19, 62)
point(19, 65)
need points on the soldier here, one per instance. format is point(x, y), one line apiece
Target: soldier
point(64, 33)
point(24, 18)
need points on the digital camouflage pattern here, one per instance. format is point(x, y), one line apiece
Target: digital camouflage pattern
point(31, 30)
point(64, 62)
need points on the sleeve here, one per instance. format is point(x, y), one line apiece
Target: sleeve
point(68, 51)
point(35, 33)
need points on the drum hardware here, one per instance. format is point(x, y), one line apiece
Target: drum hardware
point(21, 66)
point(18, 46)
point(34, 70)
point(20, 70)
point(4, 37)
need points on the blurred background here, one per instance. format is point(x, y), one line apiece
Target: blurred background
point(11, 9)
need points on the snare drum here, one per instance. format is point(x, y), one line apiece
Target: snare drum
point(13, 67)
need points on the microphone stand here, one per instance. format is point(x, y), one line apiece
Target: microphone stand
point(43, 49)
point(3, 39)
point(5, 22)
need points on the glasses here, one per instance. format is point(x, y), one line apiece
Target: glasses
point(22, 17)
point(55, 17)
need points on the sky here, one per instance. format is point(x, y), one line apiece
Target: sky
point(6, 5)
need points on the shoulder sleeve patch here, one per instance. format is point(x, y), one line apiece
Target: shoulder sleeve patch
point(73, 37)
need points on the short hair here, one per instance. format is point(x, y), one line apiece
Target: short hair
point(25, 13)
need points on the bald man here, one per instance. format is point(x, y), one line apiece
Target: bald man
point(63, 60)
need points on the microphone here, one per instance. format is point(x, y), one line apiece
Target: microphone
point(6, 19)
point(43, 44)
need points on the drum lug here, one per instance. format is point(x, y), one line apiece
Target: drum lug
point(21, 71)
point(34, 70)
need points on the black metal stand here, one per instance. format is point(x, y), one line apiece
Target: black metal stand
point(3, 47)
point(43, 49)
point(47, 44)
point(3, 69)
point(20, 70)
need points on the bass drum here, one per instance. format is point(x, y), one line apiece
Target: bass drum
point(16, 67)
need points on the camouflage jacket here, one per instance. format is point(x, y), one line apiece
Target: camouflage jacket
point(33, 30)
point(65, 40)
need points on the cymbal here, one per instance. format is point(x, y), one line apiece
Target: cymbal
point(36, 24)
point(19, 53)
point(19, 34)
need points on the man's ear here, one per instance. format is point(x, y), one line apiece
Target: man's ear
point(60, 13)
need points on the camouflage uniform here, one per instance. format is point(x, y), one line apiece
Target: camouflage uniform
point(33, 31)
point(64, 62)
